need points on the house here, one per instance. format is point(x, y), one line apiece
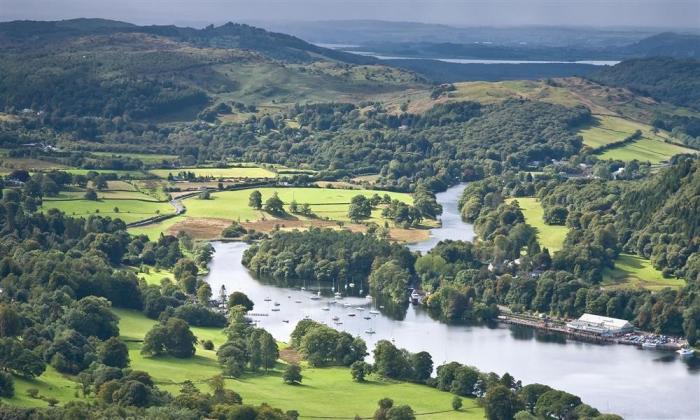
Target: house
point(600, 325)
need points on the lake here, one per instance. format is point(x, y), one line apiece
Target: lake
point(637, 384)
point(485, 61)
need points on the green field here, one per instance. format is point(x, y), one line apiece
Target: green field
point(632, 271)
point(129, 210)
point(550, 236)
point(491, 92)
point(146, 158)
point(241, 172)
point(651, 147)
point(324, 202)
point(120, 173)
point(319, 387)
point(646, 149)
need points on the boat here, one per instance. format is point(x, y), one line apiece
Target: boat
point(370, 331)
point(286, 321)
point(338, 295)
point(686, 352)
point(338, 323)
point(351, 314)
point(648, 345)
point(368, 297)
point(367, 317)
point(325, 308)
point(267, 299)
point(277, 304)
point(373, 312)
point(275, 309)
point(335, 318)
point(347, 305)
point(297, 301)
point(303, 288)
point(359, 309)
point(315, 297)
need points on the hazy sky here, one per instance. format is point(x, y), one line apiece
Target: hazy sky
point(654, 13)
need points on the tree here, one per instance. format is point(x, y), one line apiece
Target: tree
point(204, 293)
point(294, 207)
point(114, 352)
point(240, 299)
point(529, 394)
point(360, 208)
point(359, 370)
point(7, 385)
point(292, 374)
point(456, 403)
point(92, 316)
point(390, 280)
point(274, 205)
point(90, 194)
point(255, 200)
point(500, 403)
point(10, 323)
point(174, 337)
point(382, 412)
point(401, 412)
point(556, 404)
point(19, 360)
point(269, 353)
point(422, 365)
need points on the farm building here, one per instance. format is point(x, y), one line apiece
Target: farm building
point(601, 325)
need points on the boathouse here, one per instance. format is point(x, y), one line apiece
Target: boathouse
point(600, 325)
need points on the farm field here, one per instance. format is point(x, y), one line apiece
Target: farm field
point(634, 272)
point(319, 386)
point(119, 172)
point(129, 210)
point(646, 149)
point(492, 92)
point(146, 158)
point(608, 129)
point(550, 236)
point(235, 172)
point(324, 202)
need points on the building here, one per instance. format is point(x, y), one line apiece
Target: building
point(600, 325)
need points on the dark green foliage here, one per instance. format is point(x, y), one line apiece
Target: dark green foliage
point(292, 374)
point(500, 403)
point(7, 385)
point(199, 315)
point(360, 208)
point(91, 316)
point(556, 404)
point(317, 256)
point(21, 361)
point(394, 363)
point(10, 322)
point(255, 200)
point(359, 370)
point(234, 231)
point(114, 352)
point(323, 346)
point(247, 348)
point(274, 205)
point(174, 338)
point(240, 299)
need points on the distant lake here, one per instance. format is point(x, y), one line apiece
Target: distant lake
point(482, 61)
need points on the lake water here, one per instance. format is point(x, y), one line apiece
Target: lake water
point(637, 384)
point(485, 61)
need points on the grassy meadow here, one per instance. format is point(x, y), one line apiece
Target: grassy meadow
point(147, 158)
point(550, 236)
point(646, 149)
point(311, 398)
point(635, 272)
point(235, 172)
point(130, 210)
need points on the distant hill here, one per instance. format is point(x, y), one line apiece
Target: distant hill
point(230, 35)
point(664, 79)
point(667, 44)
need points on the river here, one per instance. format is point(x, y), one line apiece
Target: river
point(637, 384)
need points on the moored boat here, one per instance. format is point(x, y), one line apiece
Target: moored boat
point(686, 352)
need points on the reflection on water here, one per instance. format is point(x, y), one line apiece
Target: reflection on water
point(614, 378)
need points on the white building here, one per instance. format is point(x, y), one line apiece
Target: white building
point(601, 325)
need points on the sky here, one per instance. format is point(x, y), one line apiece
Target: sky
point(601, 13)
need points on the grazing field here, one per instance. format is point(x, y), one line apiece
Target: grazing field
point(119, 172)
point(51, 384)
point(550, 236)
point(311, 398)
point(492, 92)
point(324, 202)
point(146, 158)
point(129, 210)
point(8, 164)
point(651, 147)
point(155, 276)
point(236, 172)
point(634, 272)
point(646, 149)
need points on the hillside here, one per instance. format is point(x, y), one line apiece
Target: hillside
point(101, 68)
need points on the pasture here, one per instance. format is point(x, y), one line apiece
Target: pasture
point(607, 130)
point(147, 158)
point(311, 398)
point(129, 210)
point(635, 272)
point(550, 236)
point(646, 149)
point(233, 172)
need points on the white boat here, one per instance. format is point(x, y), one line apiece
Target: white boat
point(347, 305)
point(685, 352)
point(374, 312)
point(338, 295)
point(648, 345)
point(325, 308)
point(303, 288)
point(368, 297)
point(370, 331)
point(314, 297)
point(359, 309)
